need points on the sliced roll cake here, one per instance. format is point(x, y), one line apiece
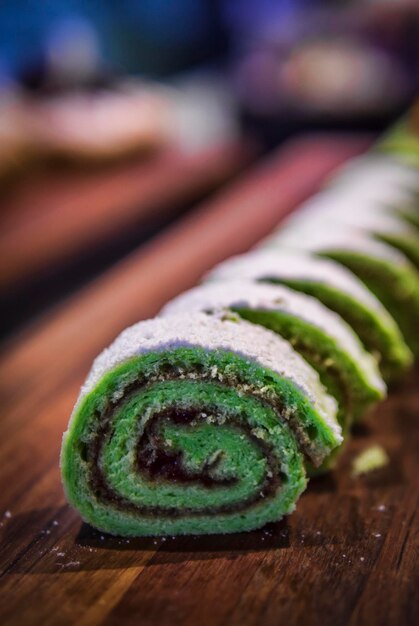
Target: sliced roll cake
point(379, 180)
point(334, 286)
point(193, 424)
point(384, 270)
point(393, 223)
point(348, 372)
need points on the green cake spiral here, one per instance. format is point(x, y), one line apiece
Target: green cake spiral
point(192, 440)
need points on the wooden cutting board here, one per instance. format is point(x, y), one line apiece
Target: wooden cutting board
point(346, 556)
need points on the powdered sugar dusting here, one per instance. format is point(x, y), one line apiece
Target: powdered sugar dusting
point(295, 265)
point(218, 296)
point(199, 330)
point(325, 236)
point(355, 209)
point(378, 170)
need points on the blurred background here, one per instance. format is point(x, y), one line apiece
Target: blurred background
point(118, 117)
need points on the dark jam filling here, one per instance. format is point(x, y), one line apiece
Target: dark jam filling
point(156, 461)
point(164, 466)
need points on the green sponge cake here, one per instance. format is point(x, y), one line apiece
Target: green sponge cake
point(324, 340)
point(193, 424)
point(402, 141)
point(334, 286)
point(383, 269)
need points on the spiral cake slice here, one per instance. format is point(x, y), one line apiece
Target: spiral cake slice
point(392, 221)
point(337, 288)
point(384, 270)
point(192, 424)
point(383, 181)
point(325, 341)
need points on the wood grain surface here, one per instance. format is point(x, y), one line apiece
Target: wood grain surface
point(346, 556)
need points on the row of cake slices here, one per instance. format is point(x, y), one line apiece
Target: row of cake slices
point(339, 281)
point(310, 327)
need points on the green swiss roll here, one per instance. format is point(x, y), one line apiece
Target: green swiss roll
point(394, 282)
point(381, 211)
point(194, 424)
point(386, 271)
point(335, 287)
point(375, 192)
point(326, 342)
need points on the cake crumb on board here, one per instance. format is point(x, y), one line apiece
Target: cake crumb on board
point(370, 459)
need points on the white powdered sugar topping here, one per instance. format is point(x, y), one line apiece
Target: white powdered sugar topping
point(219, 296)
point(326, 236)
point(280, 264)
point(199, 330)
point(353, 210)
point(379, 170)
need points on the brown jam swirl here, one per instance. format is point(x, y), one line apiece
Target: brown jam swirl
point(156, 462)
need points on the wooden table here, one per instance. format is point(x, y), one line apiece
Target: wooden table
point(346, 556)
